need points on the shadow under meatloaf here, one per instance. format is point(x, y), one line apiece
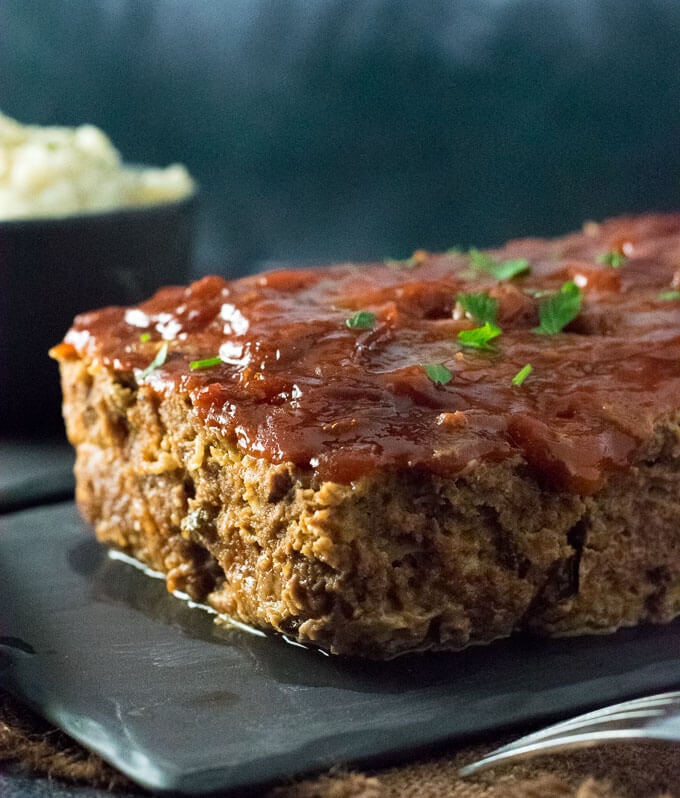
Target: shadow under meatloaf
point(397, 561)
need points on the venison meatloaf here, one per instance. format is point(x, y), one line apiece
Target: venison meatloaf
point(411, 455)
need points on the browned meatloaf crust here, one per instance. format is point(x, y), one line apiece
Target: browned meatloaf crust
point(322, 453)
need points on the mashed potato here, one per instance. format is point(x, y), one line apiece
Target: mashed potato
point(60, 171)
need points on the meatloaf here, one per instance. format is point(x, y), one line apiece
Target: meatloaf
point(399, 456)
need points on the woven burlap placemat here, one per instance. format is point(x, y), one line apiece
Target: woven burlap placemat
point(624, 770)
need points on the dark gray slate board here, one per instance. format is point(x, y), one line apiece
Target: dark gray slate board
point(178, 703)
point(34, 472)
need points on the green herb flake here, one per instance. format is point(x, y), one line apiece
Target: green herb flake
point(559, 309)
point(481, 307)
point(522, 374)
point(438, 373)
point(361, 320)
point(669, 296)
point(479, 337)
point(144, 337)
point(156, 363)
point(207, 363)
point(501, 270)
point(613, 258)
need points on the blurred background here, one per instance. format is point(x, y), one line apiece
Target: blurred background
point(324, 130)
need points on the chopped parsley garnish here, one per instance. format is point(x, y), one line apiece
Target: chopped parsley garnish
point(438, 373)
point(207, 363)
point(557, 310)
point(479, 337)
point(156, 363)
point(481, 307)
point(669, 296)
point(361, 320)
point(501, 270)
point(522, 374)
point(144, 337)
point(613, 258)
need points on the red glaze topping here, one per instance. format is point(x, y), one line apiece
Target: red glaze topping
point(296, 384)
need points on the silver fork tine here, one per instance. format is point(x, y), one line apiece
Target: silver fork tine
point(656, 717)
point(639, 707)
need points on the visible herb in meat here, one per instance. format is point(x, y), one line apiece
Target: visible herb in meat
point(501, 270)
point(206, 363)
point(558, 309)
point(361, 320)
point(438, 373)
point(669, 296)
point(481, 307)
point(522, 374)
point(479, 337)
point(156, 363)
point(613, 258)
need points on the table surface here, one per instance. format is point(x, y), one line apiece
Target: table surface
point(14, 784)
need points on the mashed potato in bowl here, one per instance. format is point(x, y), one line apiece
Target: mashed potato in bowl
point(62, 171)
point(79, 229)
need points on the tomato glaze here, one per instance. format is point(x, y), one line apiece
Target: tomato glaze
point(296, 384)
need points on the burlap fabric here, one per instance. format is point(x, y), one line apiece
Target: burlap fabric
point(625, 770)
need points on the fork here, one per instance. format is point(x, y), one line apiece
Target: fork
point(655, 717)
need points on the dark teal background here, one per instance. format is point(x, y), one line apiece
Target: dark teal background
point(342, 129)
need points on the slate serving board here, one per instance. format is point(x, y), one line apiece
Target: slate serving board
point(34, 472)
point(179, 703)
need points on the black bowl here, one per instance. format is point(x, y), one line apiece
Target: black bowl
point(51, 269)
